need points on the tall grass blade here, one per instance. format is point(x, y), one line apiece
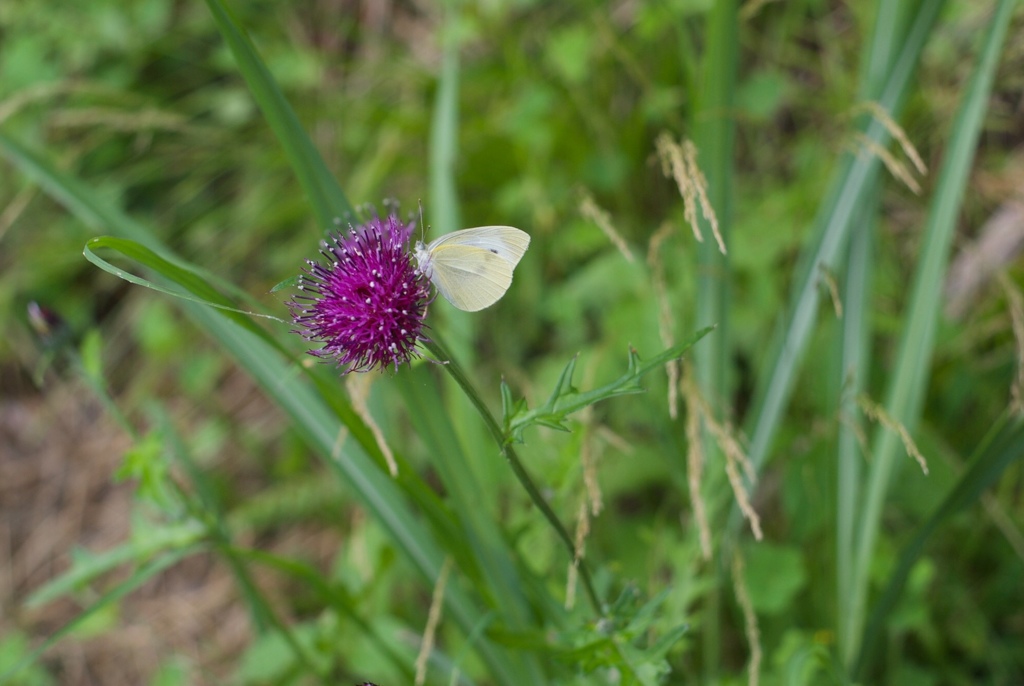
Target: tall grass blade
point(203, 293)
point(714, 132)
point(832, 226)
point(852, 377)
point(444, 134)
point(160, 542)
point(445, 216)
point(1001, 448)
point(855, 357)
point(325, 195)
point(482, 539)
point(906, 391)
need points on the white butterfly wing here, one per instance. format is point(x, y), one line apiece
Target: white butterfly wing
point(472, 268)
point(470, 278)
point(507, 242)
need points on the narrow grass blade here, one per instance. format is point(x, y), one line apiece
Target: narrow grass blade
point(443, 209)
point(854, 360)
point(833, 223)
point(162, 541)
point(852, 377)
point(444, 133)
point(714, 130)
point(203, 292)
point(1001, 448)
point(482, 540)
point(325, 195)
point(434, 427)
point(905, 394)
point(139, 577)
point(78, 198)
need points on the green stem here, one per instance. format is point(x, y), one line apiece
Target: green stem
point(509, 453)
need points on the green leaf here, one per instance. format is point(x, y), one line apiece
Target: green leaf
point(773, 575)
point(144, 462)
point(565, 399)
point(622, 641)
point(290, 282)
point(203, 292)
point(333, 595)
point(568, 51)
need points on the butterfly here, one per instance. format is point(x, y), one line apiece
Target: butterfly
point(472, 268)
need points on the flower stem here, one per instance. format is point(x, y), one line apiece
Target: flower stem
point(457, 373)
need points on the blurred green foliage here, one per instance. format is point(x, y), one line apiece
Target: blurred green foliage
point(142, 100)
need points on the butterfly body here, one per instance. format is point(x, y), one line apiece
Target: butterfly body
point(472, 268)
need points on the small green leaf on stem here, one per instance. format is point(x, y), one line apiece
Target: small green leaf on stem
point(566, 399)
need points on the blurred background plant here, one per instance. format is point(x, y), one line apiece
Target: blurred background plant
point(182, 502)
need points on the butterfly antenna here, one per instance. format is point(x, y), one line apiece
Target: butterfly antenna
point(423, 226)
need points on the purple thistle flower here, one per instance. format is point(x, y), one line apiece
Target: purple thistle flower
point(366, 306)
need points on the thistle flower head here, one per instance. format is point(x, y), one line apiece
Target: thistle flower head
point(366, 304)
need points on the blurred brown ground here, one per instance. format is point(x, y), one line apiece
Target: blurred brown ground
point(58, 453)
